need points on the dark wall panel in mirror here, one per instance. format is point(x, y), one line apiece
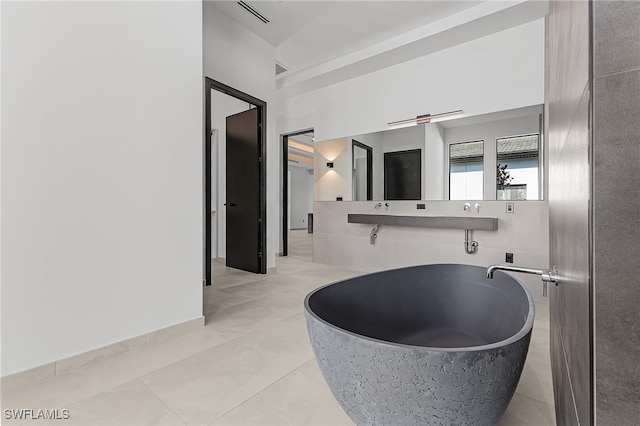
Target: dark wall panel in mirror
point(402, 175)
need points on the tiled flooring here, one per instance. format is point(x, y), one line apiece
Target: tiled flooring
point(250, 365)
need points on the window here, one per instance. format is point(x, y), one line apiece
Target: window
point(517, 171)
point(466, 170)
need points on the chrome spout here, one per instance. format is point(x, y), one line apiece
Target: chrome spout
point(548, 276)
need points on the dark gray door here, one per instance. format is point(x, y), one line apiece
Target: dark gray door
point(243, 191)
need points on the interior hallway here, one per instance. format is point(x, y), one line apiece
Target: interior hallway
point(250, 365)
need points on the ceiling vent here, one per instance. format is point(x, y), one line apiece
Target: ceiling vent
point(280, 68)
point(254, 12)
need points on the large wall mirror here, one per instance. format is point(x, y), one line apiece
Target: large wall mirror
point(496, 156)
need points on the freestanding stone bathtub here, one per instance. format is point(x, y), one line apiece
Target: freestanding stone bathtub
point(424, 345)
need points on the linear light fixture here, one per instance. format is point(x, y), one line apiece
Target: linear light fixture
point(425, 118)
point(254, 12)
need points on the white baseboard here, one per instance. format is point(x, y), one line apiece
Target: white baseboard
point(66, 365)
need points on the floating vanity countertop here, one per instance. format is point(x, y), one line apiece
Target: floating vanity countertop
point(451, 222)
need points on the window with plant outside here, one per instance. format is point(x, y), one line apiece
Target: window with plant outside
point(466, 170)
point(517, 170)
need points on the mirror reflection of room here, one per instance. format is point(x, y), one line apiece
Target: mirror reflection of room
point(297, 217)
point(362, 171)
point(494, 156)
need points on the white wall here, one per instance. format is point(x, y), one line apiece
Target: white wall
point(434, 160)
point(101, 174)
point(336, 242)
point(498, 72)
point(405, 139)
point(300, 196)
point(331, 183)
point(238, 58)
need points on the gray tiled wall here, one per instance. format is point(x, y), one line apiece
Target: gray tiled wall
point(568, 106)
point(616, 36)
point(616, 210)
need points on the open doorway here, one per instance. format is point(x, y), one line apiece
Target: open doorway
point(362, 170)
point(297, 185)
point(234, 179)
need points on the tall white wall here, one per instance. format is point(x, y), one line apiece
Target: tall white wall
point(238, 58)
point(434, 159)
point(101, 174)
point(498, 72)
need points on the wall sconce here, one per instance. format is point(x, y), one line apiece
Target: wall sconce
point(330, 165)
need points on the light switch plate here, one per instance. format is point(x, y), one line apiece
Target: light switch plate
point(510, 208)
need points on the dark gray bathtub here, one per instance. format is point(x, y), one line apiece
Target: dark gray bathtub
point(424, 345)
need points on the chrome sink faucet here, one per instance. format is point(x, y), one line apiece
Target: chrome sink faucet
point(548, 276)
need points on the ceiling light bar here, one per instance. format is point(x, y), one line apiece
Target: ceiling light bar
point(254, 12)
point(424, 118)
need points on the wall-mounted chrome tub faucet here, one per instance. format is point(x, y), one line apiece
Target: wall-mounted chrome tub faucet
point(548, 276)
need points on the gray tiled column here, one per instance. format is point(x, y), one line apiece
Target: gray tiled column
point(616, 210)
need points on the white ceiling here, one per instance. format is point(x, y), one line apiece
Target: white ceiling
point(305, 33)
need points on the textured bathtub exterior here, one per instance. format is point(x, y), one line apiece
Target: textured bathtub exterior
point(379, 384)
point(382, 383)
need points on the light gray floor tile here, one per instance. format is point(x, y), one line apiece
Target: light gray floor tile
point(251, 364)
point(129, 404)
